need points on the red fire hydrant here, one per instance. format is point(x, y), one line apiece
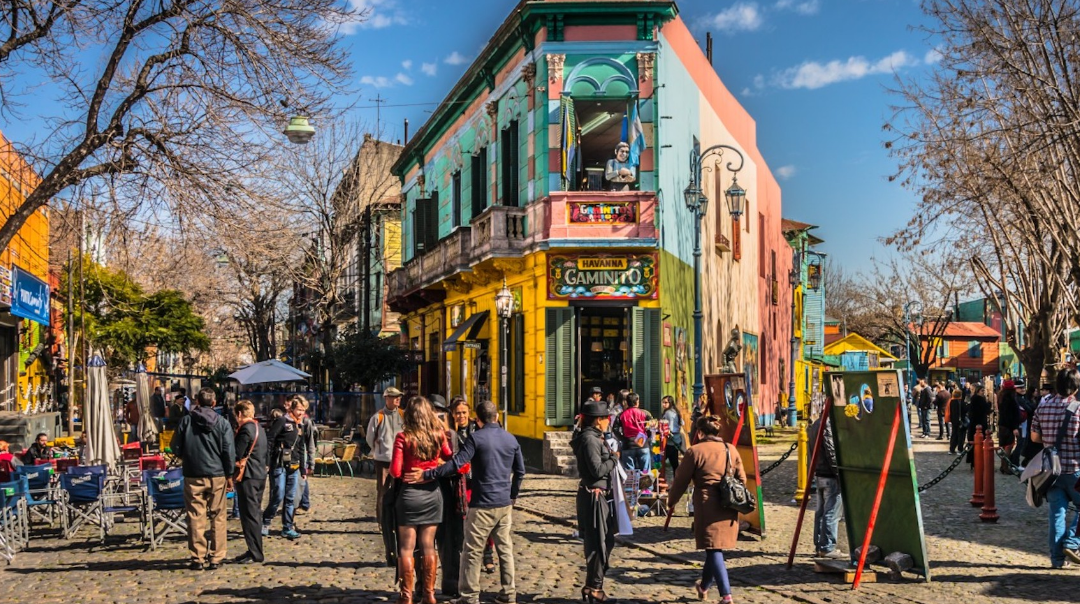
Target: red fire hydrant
point(989, 510)
point(977, 455)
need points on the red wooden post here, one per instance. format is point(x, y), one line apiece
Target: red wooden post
point(882, 480)
point(738, 427)
point(810, 472)
point(989, 510)
point(977, 495)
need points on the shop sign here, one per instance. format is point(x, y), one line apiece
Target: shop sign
point(602, 212)
point(5, 286)
point(29, 297)
point(602, 276)
point(472, 345)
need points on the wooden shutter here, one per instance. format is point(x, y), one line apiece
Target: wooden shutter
point(645, 356)
point(431, 234)
point(517, 340)
point(559, 367)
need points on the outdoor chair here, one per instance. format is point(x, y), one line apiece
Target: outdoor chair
point(86, 502)
point(14, 533)
point(164, 505)
point(41, 498)
point(343, 454)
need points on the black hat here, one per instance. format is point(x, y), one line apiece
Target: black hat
point(1019, 383)
point(1046, 386)
point(595, 409)
point(597, 390)
point(438, 402)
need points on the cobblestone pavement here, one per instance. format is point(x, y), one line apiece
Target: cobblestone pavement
point(338, 559)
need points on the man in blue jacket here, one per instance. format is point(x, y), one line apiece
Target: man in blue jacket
point(204, 442)
point(495, 456)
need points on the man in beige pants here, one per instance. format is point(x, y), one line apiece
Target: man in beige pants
point(204, 442)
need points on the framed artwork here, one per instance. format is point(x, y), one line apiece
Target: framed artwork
point(667, 333)
point(751, 361)
point(457, 313)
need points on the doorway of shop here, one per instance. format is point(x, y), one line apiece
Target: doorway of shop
point(603, 349)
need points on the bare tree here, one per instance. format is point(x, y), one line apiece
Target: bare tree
point(848, 303)
point(169, 102)
point(991, 142)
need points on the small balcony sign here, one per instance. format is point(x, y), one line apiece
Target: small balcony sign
point(602, 212)
point(602, 276)
point(29, 297)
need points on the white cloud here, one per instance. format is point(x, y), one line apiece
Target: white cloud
point(456, 58)
point(806, 8)
point(785, 172)
point(374, 14)
point(429, 69)
point(933, 57)
point(407, 64)
point(812, 75)
point(742, 16)
point(376, 81)
point(403, 79)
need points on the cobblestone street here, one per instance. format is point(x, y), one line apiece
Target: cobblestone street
point(338, 559)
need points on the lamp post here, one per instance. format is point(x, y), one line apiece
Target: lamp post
point(299, 131)
point(795, 278)
point(504, 307)
point(907, 343)
point(697, 203)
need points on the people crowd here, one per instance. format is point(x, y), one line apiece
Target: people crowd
point(448, 476)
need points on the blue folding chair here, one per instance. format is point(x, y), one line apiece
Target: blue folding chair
point(14, 533)
point(41, 498)
point(164, 504)
point(86, 502)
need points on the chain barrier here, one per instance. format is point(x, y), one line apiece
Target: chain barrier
point(956, 462)
point(1014, 469)
point(781, 460)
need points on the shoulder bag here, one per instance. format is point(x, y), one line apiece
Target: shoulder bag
point(1044, 470)
point(733, 492)
point(241, 464)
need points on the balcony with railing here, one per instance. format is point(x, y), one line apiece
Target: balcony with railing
point(565, 218)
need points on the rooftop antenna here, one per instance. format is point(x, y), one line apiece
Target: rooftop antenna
point(378, 100)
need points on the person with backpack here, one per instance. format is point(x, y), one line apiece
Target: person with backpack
point(633, 437)
point(288, 466)
point(382, 430)
point(1057, 423)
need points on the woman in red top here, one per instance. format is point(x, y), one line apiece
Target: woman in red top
point(7, 461)
point(419, 506)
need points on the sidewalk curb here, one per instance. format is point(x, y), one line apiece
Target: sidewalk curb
point(672, 557)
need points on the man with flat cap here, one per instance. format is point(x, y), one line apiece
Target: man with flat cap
point(382, 430)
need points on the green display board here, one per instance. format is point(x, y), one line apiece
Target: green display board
point(729, 398)
point(863, 407)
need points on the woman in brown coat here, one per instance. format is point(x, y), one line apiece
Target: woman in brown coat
point(715, 528)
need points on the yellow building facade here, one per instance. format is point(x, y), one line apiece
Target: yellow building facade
point(24, 377)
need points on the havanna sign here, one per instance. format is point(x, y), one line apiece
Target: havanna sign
point(602, 276)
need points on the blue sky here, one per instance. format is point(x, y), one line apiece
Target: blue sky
point(814, 74)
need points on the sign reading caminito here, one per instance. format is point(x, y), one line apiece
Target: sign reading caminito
point(602, 276)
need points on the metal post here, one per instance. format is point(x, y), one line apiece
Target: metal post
point(699, 378)
point(803, 440)
point(796, 269)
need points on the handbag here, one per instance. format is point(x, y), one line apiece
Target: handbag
point(733, 492)
point(241, 464)
point(1044, 470)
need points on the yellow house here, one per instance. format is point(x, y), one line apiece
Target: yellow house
point(24, 378)
point(858, 354)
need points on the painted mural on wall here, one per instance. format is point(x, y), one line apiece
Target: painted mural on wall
point(602, 276)
point(751, 360)
point(682, 382)
point(609, 212)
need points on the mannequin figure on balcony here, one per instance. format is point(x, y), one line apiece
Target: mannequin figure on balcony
point(619, 172)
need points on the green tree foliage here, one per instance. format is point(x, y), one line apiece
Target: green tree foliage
point(362, 358)
point(123, 320)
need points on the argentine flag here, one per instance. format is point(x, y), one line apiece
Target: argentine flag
point(635, 136)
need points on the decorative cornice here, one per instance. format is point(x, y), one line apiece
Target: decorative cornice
point(555, 67)
point(646, 62)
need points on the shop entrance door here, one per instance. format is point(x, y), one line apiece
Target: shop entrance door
point(604, 349)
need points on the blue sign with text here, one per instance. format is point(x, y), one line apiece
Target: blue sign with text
point(29, 296)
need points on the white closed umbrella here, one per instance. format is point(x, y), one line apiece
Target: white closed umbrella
point(265, 372)
point(102, 447)
point(147, 428)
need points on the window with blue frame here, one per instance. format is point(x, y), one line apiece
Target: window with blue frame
point(975, 349)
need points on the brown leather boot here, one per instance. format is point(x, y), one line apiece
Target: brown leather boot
point(431, 570)
point(406, 578)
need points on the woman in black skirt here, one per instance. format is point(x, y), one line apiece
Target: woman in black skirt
point(596, 514)
point(419, 506)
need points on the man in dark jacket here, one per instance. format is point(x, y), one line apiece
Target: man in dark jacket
point(926, 401)
point(157, 407)
point(204, 442)
point(250, 445)
point(288, 466)
point(827, 516)
point(496, 457)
